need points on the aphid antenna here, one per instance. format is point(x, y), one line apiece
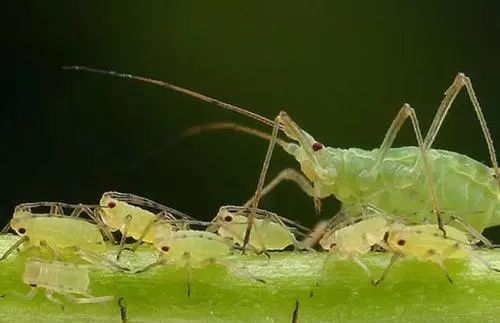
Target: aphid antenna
point(176, 88)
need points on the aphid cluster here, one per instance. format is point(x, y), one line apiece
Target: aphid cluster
point(410, 202)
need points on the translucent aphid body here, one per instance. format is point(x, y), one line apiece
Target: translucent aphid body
point(269, 231)
point(193, 246)
point(54, 230)
point(62, 278)
point(418, 182)
point(356, 239)
point(426, 243)
point(119, 213)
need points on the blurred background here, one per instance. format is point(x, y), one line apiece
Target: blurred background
point(341, 69)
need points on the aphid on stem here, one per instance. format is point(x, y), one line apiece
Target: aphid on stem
point(402, 180)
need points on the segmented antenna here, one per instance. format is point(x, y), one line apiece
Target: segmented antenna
point(175, 88)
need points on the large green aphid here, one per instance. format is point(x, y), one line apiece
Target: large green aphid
point(414, 182)
point(271, 232)
point(59, 278)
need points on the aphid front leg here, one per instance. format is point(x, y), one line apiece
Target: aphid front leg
point(50, 296)
point(29, 296)
point(288, 174)
point(262, 178)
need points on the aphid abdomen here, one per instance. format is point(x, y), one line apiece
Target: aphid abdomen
point(60, 276)
point(61, 232)
point(399, 186)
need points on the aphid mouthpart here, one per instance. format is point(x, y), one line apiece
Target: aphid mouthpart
point(317, 146)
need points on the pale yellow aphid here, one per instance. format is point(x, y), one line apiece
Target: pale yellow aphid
point(55, 231)
point(127, 213)
point(354, 240)
point(55, 277)
point(269, 231)
point(425, 243)
point(191, 248)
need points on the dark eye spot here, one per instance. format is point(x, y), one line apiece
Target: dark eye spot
point(228, 218)
point(401, 242)
point(111, 204)
point(33, 285)
point(317, 146)
point(165, 248)
point(21, 231)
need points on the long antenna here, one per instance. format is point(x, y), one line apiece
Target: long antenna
point(175, 88)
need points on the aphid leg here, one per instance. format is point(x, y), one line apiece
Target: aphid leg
point(124, 231)
point(321, 278)
point(56, 255)
point(394, 258)
point(11, 249)
point(50, 296)
point(444, 270)
point(451, 93)
point(123, 309)
point(476, 234)
point(97, 219)
point(295, 314)
point(56, 208)
point(288, 174)
point(97, 259)
point(260, 184)
point(87, 300)
point(403, 114)
point(160, 262)
point(315, 235)
point(6, 228)
point(29, 296)
point(365, 268)
point(296, 244)
point(239, 272)
point(483, 261)
point(146, 230)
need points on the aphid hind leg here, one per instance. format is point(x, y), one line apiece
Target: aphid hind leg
point(450, 94)
point(146, 231)
point(365, 268)
point(260, 184)
point(94, 215)
point(404, 113)
point(98, 259)
point(476, 234)
point(49, 294)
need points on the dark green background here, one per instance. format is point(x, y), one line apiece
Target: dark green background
point(342, 69)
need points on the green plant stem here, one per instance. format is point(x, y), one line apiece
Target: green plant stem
point(413, 291)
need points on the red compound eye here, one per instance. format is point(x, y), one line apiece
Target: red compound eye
point(401, 242)
point(228, 218)
point(317, 146)
point(111, 204)
point(165, 248)
point(21, 231)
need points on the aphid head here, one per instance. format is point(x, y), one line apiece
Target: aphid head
point(308, 151)
point(19, 225)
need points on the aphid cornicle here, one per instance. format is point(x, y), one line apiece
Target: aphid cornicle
point(415, 182)
point(270, 230)
point(56, 277)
